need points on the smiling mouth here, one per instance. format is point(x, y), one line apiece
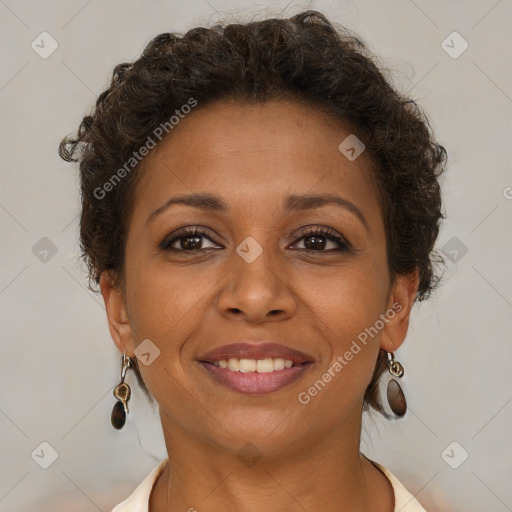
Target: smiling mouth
point(255, 368)
point(255, 376)
point(266, 365)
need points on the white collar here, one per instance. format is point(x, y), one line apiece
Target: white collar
point(138, 501)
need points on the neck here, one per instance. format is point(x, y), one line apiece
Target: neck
point(327, 473)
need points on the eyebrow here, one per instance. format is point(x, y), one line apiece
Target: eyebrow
point(309, 202)
point(211, 203)
point(206, 202)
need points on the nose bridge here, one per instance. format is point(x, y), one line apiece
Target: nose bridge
point(255, 265)
point(255, 286)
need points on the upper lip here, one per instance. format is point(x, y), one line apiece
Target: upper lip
point(261, 350)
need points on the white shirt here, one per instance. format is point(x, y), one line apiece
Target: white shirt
point(138, 501)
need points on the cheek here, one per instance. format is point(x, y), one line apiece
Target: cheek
point(162, 300)
point(346, 300)
point(344, 309)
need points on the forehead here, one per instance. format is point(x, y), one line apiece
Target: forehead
point(251, 154)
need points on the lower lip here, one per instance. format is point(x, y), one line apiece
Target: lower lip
point(255, 383)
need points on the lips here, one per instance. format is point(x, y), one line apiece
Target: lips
point(244, 350)
point(254, 383)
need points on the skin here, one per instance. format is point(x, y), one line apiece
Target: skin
point(316, 300)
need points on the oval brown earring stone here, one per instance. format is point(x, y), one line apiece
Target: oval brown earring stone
point(396, 398)
point(118, 417)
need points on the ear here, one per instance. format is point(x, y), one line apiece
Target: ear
point(401, 300)
point(118, 325)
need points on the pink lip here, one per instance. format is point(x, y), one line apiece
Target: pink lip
point(255, 383)
point(255, 351)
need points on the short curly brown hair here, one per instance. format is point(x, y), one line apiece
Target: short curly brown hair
point(305, 58)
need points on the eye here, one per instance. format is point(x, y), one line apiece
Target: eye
point(188, 240)
point(320, 238)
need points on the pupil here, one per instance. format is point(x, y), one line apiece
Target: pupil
point(317, 242)
point(186, 245)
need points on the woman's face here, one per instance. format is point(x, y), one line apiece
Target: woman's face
point(261, 270)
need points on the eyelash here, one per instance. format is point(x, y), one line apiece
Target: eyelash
point(344, 246)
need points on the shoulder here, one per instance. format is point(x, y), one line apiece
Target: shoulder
point(138, 501)
point(404, 500)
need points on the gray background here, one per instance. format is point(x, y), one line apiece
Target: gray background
point(58, 363)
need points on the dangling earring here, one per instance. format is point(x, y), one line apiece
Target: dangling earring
point(122, 392)
point(391, 396)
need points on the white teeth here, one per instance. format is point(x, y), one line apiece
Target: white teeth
point(247, 365)
point(233, 365)
point(255, 365)
point(279, 363)
point(265, 365)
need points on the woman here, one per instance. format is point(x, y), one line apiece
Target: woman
point(259, 209)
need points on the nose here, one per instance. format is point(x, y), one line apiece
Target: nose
point(257, 291)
